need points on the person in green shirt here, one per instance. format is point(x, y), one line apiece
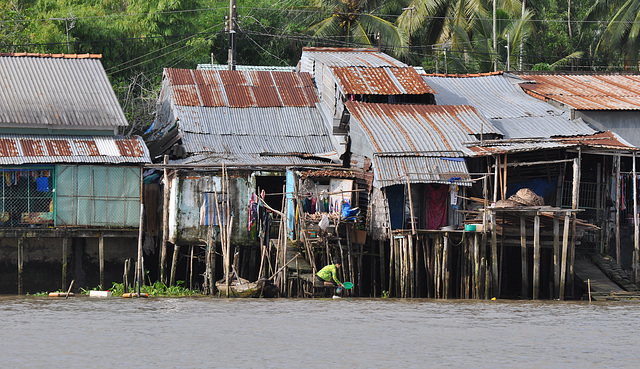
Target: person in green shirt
point(328, 275)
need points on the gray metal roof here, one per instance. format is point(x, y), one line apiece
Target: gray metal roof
point(256, 160)
point(269, 68)
point(59, 91)
point(48, 149)
point(502, 101)
point(407, 130)
point(253, 130)
point(391, 170)
point(348, 57)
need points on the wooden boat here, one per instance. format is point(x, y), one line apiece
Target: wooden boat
point(240, 287)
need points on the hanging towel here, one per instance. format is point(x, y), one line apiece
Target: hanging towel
point(42, 184)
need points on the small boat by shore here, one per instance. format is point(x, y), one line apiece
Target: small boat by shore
point(240, 287)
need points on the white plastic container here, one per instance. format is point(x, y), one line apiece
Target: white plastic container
point(99, 293)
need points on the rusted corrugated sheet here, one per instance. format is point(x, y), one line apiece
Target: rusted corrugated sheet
point(391, 170)
point(57, 91)
point(24, 149)
point(608, 140)
point(380, 81)
point(499, 99)
point(587, 92)
point(411, 129)
point(241, 89)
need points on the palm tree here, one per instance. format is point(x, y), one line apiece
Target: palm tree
point(623, 30)
point(355, 22)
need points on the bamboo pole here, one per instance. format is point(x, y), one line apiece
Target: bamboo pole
point(140, 233)
point(523, 257)
point(636, 241)
point(20, 263)
point(504, 188)
point(65, 260)
point(445, 265)
point(476, 267)
point(413, 223)
point(211, 260)
point(165, 222)
point(536, 256)
point(565, 248)
point(392, 242)
point(574, 205)
point(101, 258)
point(556, 256)
point(617, 202)
point(381, 250)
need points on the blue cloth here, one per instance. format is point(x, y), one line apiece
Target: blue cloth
point(42, 184)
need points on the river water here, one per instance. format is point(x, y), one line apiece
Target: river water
point(84, 332)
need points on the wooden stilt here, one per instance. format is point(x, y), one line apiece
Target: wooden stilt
point(101, 258)
point(494, 256)
point(412, 278)
point(165, 222)
point(556, 256)
point(536, 256)
point(445, 265)
point(20, 263)
point(523, 257)
point(381, 251)
point(174, 264)
point(617, 204)
point(565, 249)
point(65, 260)
point(636, 239)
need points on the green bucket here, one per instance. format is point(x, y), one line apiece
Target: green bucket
point(348, 285)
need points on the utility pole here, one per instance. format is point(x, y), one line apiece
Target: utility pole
point(522, 38)
point(495, 37)
point(508, 52)
point(410, 9)
point(231, 27)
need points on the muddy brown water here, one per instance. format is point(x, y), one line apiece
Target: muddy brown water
point(83, 332)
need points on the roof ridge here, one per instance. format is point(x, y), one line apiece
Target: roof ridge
point(50, 55)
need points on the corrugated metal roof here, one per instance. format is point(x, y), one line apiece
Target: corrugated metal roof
point(587, 92)
point(390, 170)
point(30, 149)
point(601, 140)
point(241, 89)
point(413, 129)
point(348, 57)
point(271, 68)
point(253, 130)
point(498, 98)
point(380, 81)
point(61, 91)
point(245, 159)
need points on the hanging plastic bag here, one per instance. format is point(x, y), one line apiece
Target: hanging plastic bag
point(324, 222)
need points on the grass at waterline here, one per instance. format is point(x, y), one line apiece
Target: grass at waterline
point(156, 289)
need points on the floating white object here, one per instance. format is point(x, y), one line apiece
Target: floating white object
point(99, 293)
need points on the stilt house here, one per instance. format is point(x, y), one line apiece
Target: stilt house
point(71, 186)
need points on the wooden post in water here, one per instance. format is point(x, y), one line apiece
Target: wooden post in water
point(523, 257)
point(536, 256)
point(617, 203)
point(141, 224)
point(412, 278)
point(574, 205)
point(565, 248)
point(494, 256)
point(556, 255)
point(20, 263)
point(445, 265)
point(65, 260)
point(476, 267)
point(101, 258)
point(636, 241)
point(165, 222)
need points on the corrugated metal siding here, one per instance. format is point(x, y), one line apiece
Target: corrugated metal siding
point(46, 91)
point(253, 130)
point(25, 149)
point(245, 159)
point(348, 57)
point(240, 89)
point(499, 98)
point(587, 92)
point(418, 128)
point(390, 170)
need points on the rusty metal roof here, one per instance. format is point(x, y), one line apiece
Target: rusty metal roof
point(586, 92)
point(392, 170)
point(499, 99)
point(380, 81)
point(600, 140)
point(30, 149)
point(57, 91)
point(240, 89)
point(438, 130)
point(350, 57)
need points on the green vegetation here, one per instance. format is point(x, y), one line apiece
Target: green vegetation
point(138, 38)
point(158, 289)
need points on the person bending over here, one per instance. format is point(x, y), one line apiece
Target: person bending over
point(328, 275)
